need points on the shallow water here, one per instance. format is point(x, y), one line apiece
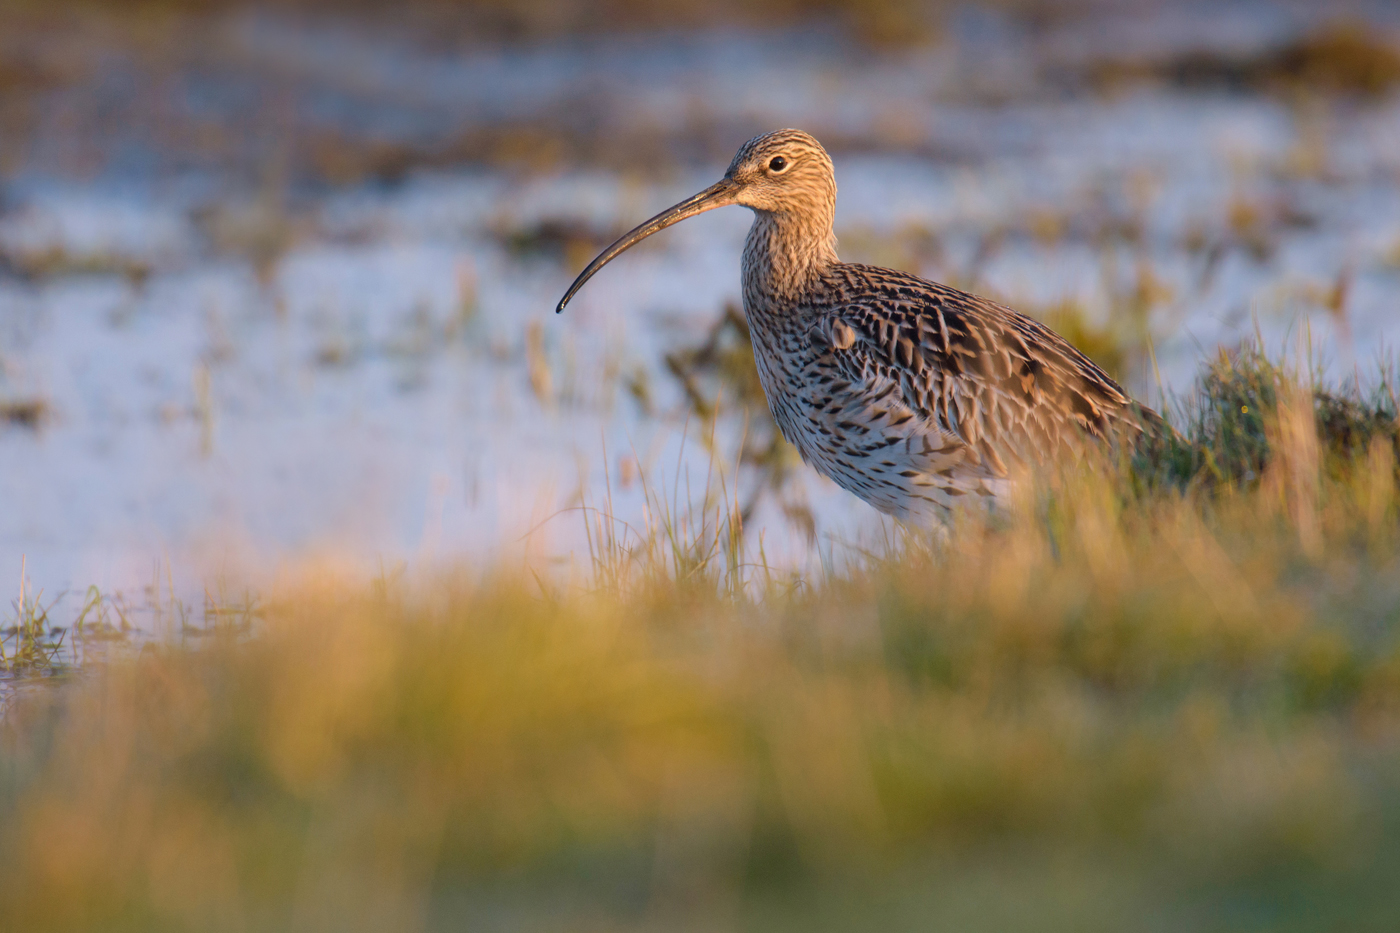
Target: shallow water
point(366, 394)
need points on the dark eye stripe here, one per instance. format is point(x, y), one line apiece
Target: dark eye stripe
point(778, 164)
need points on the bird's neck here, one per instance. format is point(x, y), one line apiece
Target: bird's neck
point(783, 256)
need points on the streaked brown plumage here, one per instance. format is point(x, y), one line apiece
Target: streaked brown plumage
point(908, 393)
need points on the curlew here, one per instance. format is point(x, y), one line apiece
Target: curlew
point(909, 394)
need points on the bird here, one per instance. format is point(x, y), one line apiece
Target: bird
point(912, 395)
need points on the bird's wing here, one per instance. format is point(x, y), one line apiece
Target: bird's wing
point(1001, 383)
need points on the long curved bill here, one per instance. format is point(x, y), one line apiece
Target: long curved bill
point(719, 194)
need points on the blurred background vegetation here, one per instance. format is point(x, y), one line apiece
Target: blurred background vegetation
point(526, 20)
point(138, 65)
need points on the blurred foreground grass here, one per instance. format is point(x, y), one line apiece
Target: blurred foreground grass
point(1135, 704)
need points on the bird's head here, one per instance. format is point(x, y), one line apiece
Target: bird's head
point(786, 172)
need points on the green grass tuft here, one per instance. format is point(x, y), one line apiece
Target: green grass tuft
point(1232, 425)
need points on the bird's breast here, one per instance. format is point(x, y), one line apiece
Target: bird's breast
point(802, 380)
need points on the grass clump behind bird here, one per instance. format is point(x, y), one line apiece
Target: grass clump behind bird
point(1247, 410)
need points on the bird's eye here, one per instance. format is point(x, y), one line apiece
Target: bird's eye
point(778, 163)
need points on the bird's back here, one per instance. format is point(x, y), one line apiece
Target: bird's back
point(911, 394)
